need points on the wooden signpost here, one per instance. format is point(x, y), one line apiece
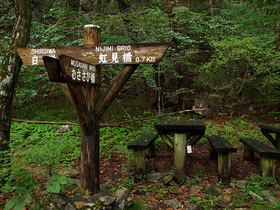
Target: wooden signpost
point(77, 70)
point(145, 53)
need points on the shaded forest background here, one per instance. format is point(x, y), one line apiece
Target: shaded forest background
point(224, 55)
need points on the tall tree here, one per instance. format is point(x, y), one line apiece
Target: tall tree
point(9, 71)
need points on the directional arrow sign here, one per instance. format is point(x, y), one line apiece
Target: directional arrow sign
point(141, 53)
point(54, 69)
point(78, 71)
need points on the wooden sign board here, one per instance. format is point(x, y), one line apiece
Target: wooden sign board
point(140, 53)
point(54, 69)
point(78, 71)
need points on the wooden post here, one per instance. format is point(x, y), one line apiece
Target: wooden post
point(97, 107)
point(92, 36)
point(267, 167)
point(90, 140)
point(74, 67)
point(180, 143)
point(224, 164)
point(140, 164)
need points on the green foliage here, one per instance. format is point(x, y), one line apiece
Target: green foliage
point(26, 185)
point(258, 184)
point(32, 82)
point(229, 57)
point(128, 182)
point(137, 205)
point(243, 54)
point(199, 171)
point(276, 205)
point(194, 198)
point(23, 184)
point(18, 180)
point(265, 181)
point(235, 128)
point(209, 202)
point(192, 181)
point(113, 139)
point(67, 31)
point(55, 183)
point(40, 144)
point(18, 202)
point(7, 17)
point(238, 200)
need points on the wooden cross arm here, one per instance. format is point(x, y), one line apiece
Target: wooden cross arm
point(167, 140)
point(195, 139)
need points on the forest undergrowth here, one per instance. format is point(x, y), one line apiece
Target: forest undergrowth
point(44, 160)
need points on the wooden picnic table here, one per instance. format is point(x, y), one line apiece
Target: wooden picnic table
point(267, 130)
point(187, 132)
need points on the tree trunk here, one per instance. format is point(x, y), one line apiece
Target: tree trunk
point(74, 4)
point(170, 5)
point(9, 72)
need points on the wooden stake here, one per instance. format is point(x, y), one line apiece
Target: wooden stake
point(180, 143)
point(224, 164)
point(139, 158)
point(267, 167)
point(90, 165)
point(92, 36)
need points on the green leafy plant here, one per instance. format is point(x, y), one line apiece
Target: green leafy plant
point(265, 181)
point(19, 201)
point(192, 181)
point(238, 199)
point(209, 202)
point(199, 171)
point(128, 182)
point(259, 183)
point(23, 185)
point(194, 198)
point(55, 184)
point(137, 205)
point(40, 144)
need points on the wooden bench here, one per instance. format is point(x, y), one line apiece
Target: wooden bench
point(220, 149)
point(267, 154)
point(143, 147)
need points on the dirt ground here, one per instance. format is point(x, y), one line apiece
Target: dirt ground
point(198, 164)
point(199, 167)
